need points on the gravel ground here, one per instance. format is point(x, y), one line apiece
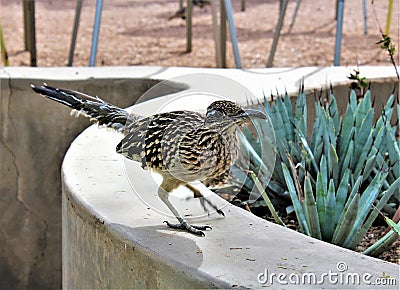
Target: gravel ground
point(137, 32)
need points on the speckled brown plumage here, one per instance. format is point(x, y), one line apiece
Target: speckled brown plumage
point(183, 146)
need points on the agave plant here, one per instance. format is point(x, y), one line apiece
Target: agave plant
point(335, 177)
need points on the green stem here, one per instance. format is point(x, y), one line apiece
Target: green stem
point(266, 199)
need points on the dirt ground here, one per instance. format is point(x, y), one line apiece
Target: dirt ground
point(138, 32)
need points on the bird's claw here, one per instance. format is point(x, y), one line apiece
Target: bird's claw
point(197, 230)
point(203, 202)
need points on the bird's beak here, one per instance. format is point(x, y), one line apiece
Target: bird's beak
point(253, 114)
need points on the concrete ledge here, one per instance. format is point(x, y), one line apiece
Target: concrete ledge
point(269, 80)
point(111, 239)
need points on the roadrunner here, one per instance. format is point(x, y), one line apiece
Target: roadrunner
point(181, 13)
point(182, 146)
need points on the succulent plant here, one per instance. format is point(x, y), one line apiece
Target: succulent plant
point(338, 178)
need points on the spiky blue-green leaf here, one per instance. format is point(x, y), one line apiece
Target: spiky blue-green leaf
point(367, 198)
point(287, 123)
point(289, 107)
point(321, 196)
point(346, 159)
point(347, 130)
point(317, 130)
point(307, 148)
point(330, 223)
point(386, 114)
point(301, 113)
point(318, 153)
point(372, 216)
point(361, 136)
point(333, 164)
point(296, 203)
point(363, 108)
point(393, 152)
point(323, 169)
point(341, 194)
point(310, 209)
point(370, 164)
point(362, 158)
point(347, 222)
point(333, 111)
point(353, 192)
point(382, 244)
point(353, 100)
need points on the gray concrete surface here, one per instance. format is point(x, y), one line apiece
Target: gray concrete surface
point(36, 134)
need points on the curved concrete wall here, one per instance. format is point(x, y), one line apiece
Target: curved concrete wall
point(35, 136)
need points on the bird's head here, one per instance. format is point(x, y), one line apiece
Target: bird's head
point(227, 111)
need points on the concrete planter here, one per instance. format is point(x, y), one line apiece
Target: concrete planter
point(111, 239)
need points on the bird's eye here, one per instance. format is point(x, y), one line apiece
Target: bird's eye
point(215, 113)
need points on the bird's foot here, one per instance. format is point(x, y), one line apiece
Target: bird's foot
point(183, 225)
point(203, 202)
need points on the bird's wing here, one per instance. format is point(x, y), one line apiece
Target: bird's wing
point(132, 146)
point(151, 139)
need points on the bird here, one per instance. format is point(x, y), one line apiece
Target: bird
point(183, 146)
point(201, 3)
point(181, 13)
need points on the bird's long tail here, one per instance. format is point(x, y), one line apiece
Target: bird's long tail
point(93, 107)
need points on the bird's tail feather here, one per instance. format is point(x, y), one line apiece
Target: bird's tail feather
point(93, 107)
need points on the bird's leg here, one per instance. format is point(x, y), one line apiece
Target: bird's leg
point(203, 200)
point(163, 192)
